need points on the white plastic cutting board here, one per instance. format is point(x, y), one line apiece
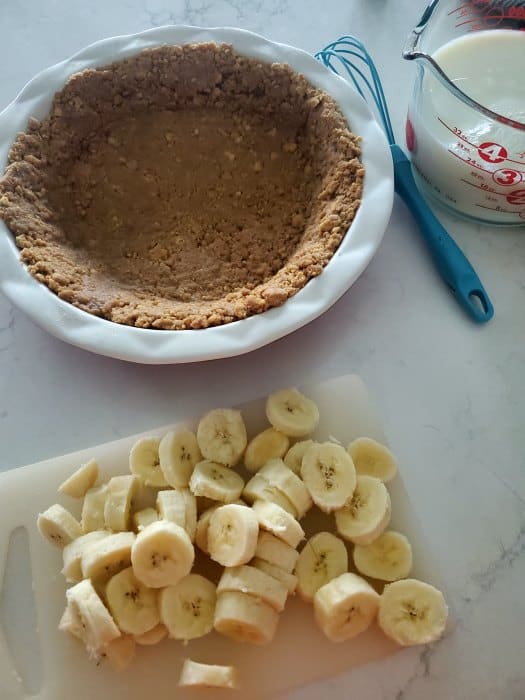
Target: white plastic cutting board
point(45, 664)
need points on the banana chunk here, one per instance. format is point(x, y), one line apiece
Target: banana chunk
point(329, 474)
point(144, 517)
point(92, 517)
point(294, 457)
point(244, 618)
point(259, 488)
point(179, 453)
point(285, 577)
point(292, 413)
point(90, 617)
point(232, 534)
point(80, 481)
point(144, 462)
point(117, 508)
point(194, 674)
point(221, 436)
point(203, 523)
point(273, 550)
point(102, 559)
point(388, 558)
point(412, 612)
point(152, 637)
point(269, 444)
point(345, 607)
point(132, 604)
point(58, 526)
point(277, 474)
point(276, 520)
point(371, 458)
point(162, 554)
point(72, 554)
point(323, 558)
point(171, 506)
point(188, 608)
point(255, 582)
point(367, 514)
point(216, 481)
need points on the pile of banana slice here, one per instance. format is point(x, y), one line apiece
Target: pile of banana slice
point(130, 556)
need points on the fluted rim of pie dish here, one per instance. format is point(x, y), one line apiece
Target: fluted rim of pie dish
point(151, 346)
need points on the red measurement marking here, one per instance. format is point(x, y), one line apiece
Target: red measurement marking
point(485, 188)
point(457, 9)
point(457, 132)
point(506, 177)
point(500, 209)
point(473, 163)
point(516, 197)
point(492, 152)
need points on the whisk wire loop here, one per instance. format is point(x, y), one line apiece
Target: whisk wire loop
point(346, 52)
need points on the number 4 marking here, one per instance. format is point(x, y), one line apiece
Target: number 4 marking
point(492, 152)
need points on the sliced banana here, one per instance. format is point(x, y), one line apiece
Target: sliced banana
point(216, 481)
point(69, 623)
point(203, 523)
point(294, 457)
point(92, 517)
point(388, 558)
point(292, 413)
point(187, 609)
point(144, 462)
point(367, 514)
point(171, 505)
point(345, 607)
point(104, 558)
point(80, 481)
point(371, 458)
point(144, 517)
point(162, 554)
point(117, 508)
point(119, 653)
point(258, 488)
point(255, 582)
point(152, 637)
point(277, 474)
point(179, 453)
point(289, 580)
point(329, 474)
point(194, 674)
point(58, 526)
point(221, 436)
point(72, 554)
point(191, 513)
point(244, 618)
point(412, 612)
point(269, 444)
point(276, 520)
point(276, 552)
point(323, 558)
point(90, 617)
point(232, 534)
point(132, 604)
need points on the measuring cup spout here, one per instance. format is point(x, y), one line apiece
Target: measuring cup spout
point(412, 49)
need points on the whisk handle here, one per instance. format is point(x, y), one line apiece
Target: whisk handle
point(448, 257)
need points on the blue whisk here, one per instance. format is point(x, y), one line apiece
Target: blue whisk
point(349, 54)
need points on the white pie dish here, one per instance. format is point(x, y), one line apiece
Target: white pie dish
point(162, 346)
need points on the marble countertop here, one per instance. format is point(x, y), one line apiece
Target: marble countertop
point(451, 393)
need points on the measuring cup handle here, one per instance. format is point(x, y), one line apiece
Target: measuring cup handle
point(450, 260)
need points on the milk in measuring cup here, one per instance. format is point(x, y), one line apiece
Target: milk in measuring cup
point(470, 162)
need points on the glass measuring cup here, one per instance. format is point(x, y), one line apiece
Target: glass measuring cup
point(465, 127)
